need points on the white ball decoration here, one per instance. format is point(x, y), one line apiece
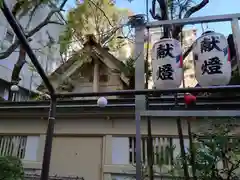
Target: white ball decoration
point(102, 102)
point(14, 88)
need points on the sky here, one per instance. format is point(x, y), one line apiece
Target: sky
point(214, 7)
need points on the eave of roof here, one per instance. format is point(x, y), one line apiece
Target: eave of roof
point(21, 87)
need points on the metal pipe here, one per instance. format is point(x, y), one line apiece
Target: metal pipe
point(212, 89)
point(191, 113)
point(49, 140)
point(183, 154)
point(139, 84)
point(202, 100)
point(192, 150)
point(191, 145)
point(149, 144)
point(22, 38)
point(52, 112)
point(164, 16)
point(194, 20)
point(181, 143)
point(138, 146)
point(149, 122)
point(236, 39)
point(164, 108)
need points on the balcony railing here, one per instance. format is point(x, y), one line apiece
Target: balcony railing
point(13, 146)
point(21, 146)
point(165, 150)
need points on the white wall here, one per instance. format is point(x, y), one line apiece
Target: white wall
point(46, 58)
point(31, 148)
point(120, 150)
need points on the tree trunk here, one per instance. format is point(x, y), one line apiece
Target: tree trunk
point(17, 69)
point(164, 14)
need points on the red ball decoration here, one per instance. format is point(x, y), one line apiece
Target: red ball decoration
point(189, 99)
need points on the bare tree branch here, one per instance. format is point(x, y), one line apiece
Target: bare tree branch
point(111, 34)
point(45, 22)
point(104, 14)
point(153, 11)
point(9, 51)
point(164, 16)
point(32, 13)
point(63, 4)
point(189, 49)
point(177, 29)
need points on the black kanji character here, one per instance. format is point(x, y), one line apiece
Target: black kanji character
point(165, 72)
point(208, 44)
point(212, 66)
point(164, 50)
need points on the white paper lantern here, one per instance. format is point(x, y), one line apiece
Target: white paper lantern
point(212, 60)
point(167, 63)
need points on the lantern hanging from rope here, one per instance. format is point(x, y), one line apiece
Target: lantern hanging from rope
point(167, 63)
point(212, 59)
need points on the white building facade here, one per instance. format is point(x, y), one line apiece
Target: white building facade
point(49, 58)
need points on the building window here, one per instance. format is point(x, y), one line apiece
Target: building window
point(165, 150)
point(9, 36)
point(23, 147)
point(162, 152)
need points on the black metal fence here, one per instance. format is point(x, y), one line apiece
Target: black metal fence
point(54, 96)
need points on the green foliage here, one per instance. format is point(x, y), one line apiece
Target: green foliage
point(144, 172)
point(235, 80)
point(130, 68)
point(11, 168)
point(130, 65)
point(98, 17)
point(165, 155)
point(64, 39)
point(40, 97)
point(216, 153)
point(1, 3)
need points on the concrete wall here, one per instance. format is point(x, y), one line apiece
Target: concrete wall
point(87, 147)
